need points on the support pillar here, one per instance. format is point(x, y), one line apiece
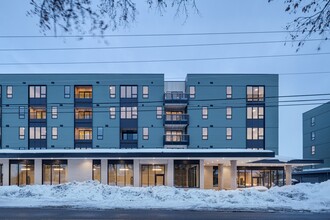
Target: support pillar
point(288, 174)
point(5, 171)
point(201, 174)
point(233, 174)
point(136, 173)
point(220, 176)
point(37, 172)
point(104, 171)
point(170, 172)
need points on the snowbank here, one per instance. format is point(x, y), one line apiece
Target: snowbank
point(304, 196)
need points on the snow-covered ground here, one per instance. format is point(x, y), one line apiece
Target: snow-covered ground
point(305, 197)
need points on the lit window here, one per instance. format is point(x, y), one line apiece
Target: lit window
point(37, 113)
point(313, 135)
point(159, 112)
point(145, 133)
point(112, 91)
point(229, 92)
point(313, 150)
point(21, 114)
point(37, 133)
point(312, 121)
point(99, 133)
point(54, 112)
point(67, 92)
point(21, 133)
point(128, 92)
point(192, 92)
point(112, 112)
point(255, 112)
point(128, 113)
point(205, 133)
point(255, 93)
point(229, 134)
point(37, 92)
point(229, 113)
point(83, 134)
point(145, 92)
point(54, 133)
point(9, 92)
point(255, 133)
point(204, 113)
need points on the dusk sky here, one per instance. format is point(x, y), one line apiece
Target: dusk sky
point(215, 16)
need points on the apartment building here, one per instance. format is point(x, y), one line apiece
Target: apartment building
point(214, 131)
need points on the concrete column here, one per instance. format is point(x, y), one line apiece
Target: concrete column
point(233, 174)
point(5, 171)
point(201, 174)
point(136, 171)
point(37, 172)
point(288, 174)
point(104, 171)
point(170, 172)
point(220, 176)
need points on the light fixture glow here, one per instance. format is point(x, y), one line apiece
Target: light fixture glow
point(123, 169)
point(58, 169)
point(156, 169)
point(25, 169)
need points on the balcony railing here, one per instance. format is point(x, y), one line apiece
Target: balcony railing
point(176, 139)
point(175, 97)
point(178, 119)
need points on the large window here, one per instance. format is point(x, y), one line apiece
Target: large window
point(83, 92)
point(174, 136)
point(255, 112)
point(255, 93)
point(96, 172)
point(128, 112)
point(83, 134)
point(152, 175)
point(255, 133)
point(54, 172)
point(83, 113)
point(21, 172)
point(37, 133)
point(37, 92)
point(120, 172)
point(260, 176)
point(38, 112)
point(186, 173)
point(129, 135)
point(128, 92)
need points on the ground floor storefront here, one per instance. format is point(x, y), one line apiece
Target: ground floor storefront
point(217, 169)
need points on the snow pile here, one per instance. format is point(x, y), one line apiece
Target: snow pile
point(304, 196)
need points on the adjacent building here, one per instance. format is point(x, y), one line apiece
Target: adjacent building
point(210, 131)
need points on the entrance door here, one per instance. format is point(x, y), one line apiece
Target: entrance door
point(159, 179)
point(257, 181)
point(1, 175)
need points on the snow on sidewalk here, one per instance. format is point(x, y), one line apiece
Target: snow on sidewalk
point(304, 196)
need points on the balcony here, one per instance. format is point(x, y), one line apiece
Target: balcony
point(128, 144)
point(180, 98)
point(176, 120)
point(84, 144)
point(83, 95)
point(176, 139)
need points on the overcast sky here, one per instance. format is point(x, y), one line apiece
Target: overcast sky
point(216, 16)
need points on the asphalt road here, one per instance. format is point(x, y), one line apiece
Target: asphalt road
point(65, 213)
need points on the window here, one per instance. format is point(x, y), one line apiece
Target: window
point(84, 113)
point(21, 113)
point(229, 92)
point(255, 93)
point(37, 92)
point(313, 150)
point(152, 175)
point(204, 113)
point(67, 92)
point(9, 92)
point(186, 173)
point(21, 172)
point(128, 92)
point(83, 134)
point(145, 92)
point(192, 92)
point(312, 121)
point(128, 112)
point(129, 135)
point(54, 172)
point(229, 133)
point(96, 173)
point(37, 133)
point(313, 135)
point(120, 173)
point(54, 112)
point(112, 91)
point(112, 112)
point(21, 133)
point(255, 133)
point(145, 133)
point(229, 113)
point(99, 133)
point(215, 176)
point(38, 113)
point(54, 133)
point(255, 112)
point(159, 112)
point(205, 133)
point(83, 92)
point(175, 136)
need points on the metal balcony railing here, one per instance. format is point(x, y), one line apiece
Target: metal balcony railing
point(176, 139)
point(175, 97)
point(179, 119)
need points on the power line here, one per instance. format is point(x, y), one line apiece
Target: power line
point(163, 60)
point(151, 34)
point(150, 46)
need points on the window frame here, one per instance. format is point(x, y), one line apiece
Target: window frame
point(37, 91)
point(67, 91)
point(112, 92)
point(229, 133)
point(313, 149)
point(21, 112)
point(192, 92)
point(159, 112)
point(145, 133)
point(145, 93)
point(205, 133)
point(9, 92)
point(54, 133)
point(112, 112)
point(128, 91)
point(313, 135)
point(229, 92)
point(205, 112)
point(54, 112)
point(21, 133)
point(229, 115)
point(129, 112)
point(99, 133)
point(312, 121)
point(253, 95)
point(258, 135)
